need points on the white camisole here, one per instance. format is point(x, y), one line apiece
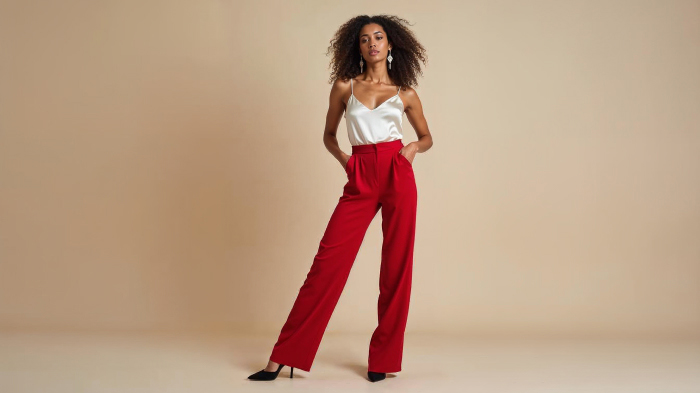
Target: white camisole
point(381, 124)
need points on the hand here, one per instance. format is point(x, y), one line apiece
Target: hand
point(345, 161)
point(409, 151)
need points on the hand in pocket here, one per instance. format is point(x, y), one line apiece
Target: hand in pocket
point(405, 158)
point(347, 163)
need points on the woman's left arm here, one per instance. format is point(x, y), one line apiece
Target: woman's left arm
point(414, 113)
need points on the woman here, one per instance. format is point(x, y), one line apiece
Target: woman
point(375, 63)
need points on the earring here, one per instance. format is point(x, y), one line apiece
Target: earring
point(361, 63)
point(390, 58)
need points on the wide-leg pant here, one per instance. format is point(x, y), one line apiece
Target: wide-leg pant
point(378, 177)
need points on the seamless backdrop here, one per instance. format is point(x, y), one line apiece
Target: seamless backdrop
point(162, 166)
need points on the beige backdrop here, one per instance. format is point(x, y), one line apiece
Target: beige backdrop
point(162, 166)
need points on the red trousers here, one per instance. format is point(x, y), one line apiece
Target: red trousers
point(378, 177)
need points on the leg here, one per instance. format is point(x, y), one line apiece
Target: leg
point(301, 334)
point(398, 227)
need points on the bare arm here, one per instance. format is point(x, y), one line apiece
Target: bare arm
point(336, 108)
point(414, 113)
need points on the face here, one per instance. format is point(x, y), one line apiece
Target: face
point(373, 43)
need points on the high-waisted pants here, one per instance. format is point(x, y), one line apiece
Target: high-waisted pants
point(378, 177)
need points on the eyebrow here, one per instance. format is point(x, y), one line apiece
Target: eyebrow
point(373, 33)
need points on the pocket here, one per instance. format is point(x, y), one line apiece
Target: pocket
point(402, 157)
point(347, 164)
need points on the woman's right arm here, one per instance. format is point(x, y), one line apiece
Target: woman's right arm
point(336, 108)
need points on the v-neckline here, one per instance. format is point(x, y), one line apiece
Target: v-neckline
point(377, 107)
point(352, 94)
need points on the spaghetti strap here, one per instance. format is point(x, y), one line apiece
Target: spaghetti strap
point(399, 90)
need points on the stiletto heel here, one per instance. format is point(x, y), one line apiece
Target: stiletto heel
point(263, 375)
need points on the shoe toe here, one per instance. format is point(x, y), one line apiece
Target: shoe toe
point(261, 375)
point(374, 377)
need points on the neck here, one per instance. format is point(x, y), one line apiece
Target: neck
point(376, 73)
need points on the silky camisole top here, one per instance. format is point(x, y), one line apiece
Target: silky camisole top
point(381, 124)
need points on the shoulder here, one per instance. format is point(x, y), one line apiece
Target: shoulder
point(409, 97)
point(408, 92)
point(341, 87)
point(340, 90)
point(341, 84)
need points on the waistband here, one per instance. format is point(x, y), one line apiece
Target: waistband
point(373, 147)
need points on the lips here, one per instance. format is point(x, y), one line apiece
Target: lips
point(373, 52)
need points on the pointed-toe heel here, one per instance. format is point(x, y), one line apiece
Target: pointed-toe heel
point(374, 377)
point(263, 375)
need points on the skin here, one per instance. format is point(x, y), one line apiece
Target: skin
point(373, 87)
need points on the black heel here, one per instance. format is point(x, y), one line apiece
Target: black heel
point(374, 377)
point(263, 375)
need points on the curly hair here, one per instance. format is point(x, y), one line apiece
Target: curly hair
point(406, 51)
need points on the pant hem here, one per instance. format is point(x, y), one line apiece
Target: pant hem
point(290, 364)
point(388, 372)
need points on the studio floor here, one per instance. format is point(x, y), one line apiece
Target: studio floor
point(91, 362)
